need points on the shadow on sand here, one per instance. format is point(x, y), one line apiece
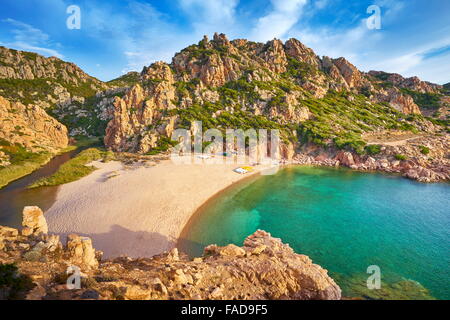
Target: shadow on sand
point(120, 241)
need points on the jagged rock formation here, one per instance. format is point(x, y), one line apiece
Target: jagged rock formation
point(231, 84)
point(264, 268)
point(282, 83)
point(30, 127)
point(147, 108)
point(33, 221)
point(412, 83)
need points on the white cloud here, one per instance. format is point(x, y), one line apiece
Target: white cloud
point(435, 69)
point(211, 11)
point(399, 64)
point(320, 4)
point(26, 33)
point(416, 63)
point(43, 51)
point(351, 43)
point(207, 17)
point(29, 38)
point(280, 20)
point(145, 35)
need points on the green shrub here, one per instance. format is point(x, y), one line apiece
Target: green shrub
point(424, 150)
point(12, 283)
point(400, 157)
point(373, 149)
point(424, 100)
point(164, 143)
point(74, 169)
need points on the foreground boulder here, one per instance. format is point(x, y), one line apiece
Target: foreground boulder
point(263, 268)
point(33, 221)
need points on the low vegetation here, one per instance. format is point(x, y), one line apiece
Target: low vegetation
point(127, 80)
point(400, 157)
point(339, 121)
point(12, 284)
point(424, 150)
point(23, 162)
point(430, 101)
point(75, 168)
point(22, 168)
point(373, 149)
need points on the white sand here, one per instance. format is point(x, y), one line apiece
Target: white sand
point(141, 211)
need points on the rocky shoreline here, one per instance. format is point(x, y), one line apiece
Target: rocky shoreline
point(412, 164)
point(263, 268)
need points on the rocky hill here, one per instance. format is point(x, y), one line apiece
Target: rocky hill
point(27, 130)
point(245, 84)
point(319, 104)
point(34, 265)
point(61, 88)
point(43, 81)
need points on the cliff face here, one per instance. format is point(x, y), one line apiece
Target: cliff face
point(263, 268)
point(30, 127)
point(135, 115)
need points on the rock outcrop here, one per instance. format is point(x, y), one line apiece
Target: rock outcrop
point(412, 83)
point(399, 101)
point(225, 84)
point(217, 79)
point(263, 268)
point(29, 66)
point(43, 81)
point(132, 127)
point(33, 221)
point(31, 127)
point(407, 158)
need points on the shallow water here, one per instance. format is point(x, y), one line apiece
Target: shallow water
point(345, 221)
point(15, 195)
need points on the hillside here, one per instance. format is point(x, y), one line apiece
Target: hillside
point(243, 84)
point(319, 104)
point(32, 79)
point(61, 88)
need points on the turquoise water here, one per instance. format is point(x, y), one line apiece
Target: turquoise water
point(345, 221)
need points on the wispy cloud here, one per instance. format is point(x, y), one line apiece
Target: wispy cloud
point(211, 12)
point(29, 38)
point(135, 33)
point(146, 35)
point(284, 15)
point(419, 59)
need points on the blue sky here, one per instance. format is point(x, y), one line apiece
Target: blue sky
point(117, 36)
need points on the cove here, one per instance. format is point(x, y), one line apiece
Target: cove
point(344, 221)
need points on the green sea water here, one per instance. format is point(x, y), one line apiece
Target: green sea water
point(344, 221)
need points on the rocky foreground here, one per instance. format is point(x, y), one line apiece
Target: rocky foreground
point(263, 268)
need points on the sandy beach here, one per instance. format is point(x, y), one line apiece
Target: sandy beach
point(141, 210)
